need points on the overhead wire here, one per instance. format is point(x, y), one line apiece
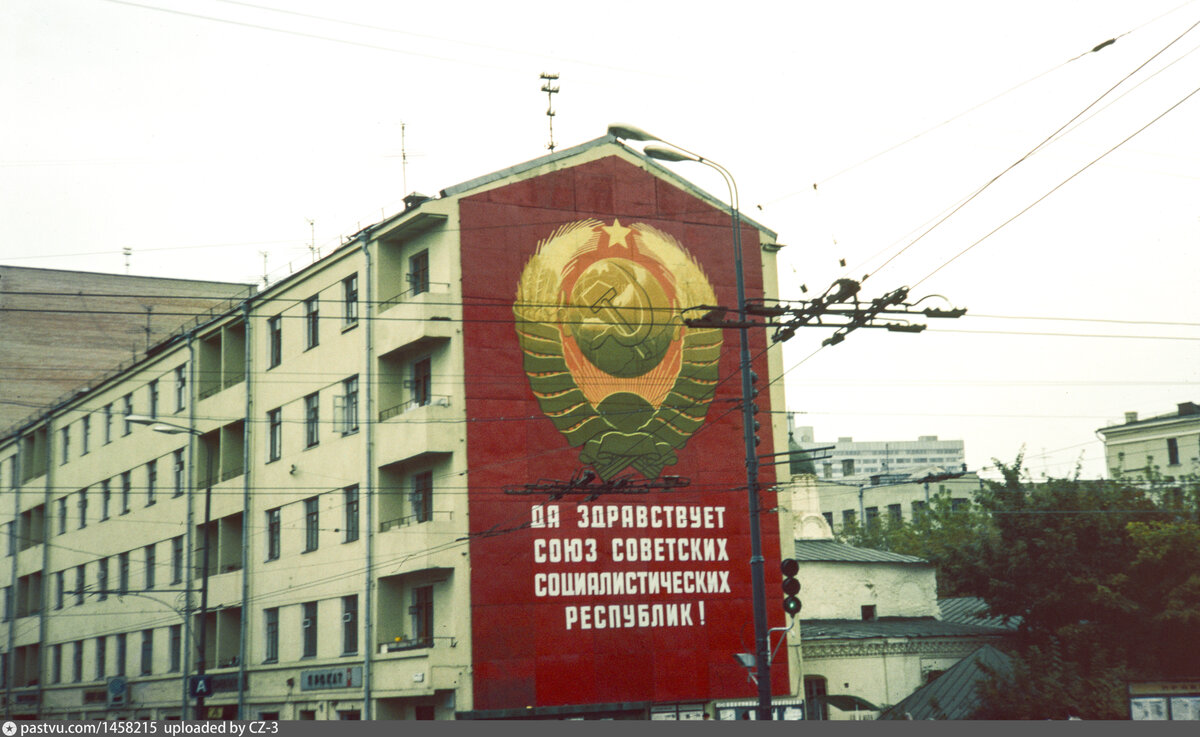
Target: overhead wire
point(1039, 147)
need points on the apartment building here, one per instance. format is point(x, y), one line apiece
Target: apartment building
point(849, 458)
point(331, 498)
point(1158, 448)
point(61, 329)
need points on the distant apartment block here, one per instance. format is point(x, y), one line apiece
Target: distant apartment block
point(63, 330)
point(850, 459)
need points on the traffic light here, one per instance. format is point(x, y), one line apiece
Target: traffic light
point(791, 587)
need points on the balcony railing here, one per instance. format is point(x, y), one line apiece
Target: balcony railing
point(399, 409)
point(408, 294)
point(414, 519)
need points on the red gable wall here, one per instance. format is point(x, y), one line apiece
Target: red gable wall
point(532, 650)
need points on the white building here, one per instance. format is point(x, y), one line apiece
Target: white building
point(340, 447)
point(1155, 448)
point(850, 458)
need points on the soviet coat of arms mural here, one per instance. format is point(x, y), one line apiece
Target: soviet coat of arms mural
point(599, 317)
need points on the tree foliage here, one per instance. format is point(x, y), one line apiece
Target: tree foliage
point(943, 534)
point(1103, 577)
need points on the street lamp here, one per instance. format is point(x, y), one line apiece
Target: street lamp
point(757, 577)
point(169, 428)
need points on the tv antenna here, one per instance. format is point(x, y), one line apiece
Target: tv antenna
point(550, 89)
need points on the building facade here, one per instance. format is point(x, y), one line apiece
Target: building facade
point(849, 458)
point(898, 496)
point(1164, 447)
point(472, 464)
point(60, 330)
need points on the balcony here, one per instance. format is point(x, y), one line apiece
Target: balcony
point(410, 431)
point(409, 322)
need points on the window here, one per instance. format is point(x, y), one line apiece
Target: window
point(77, 661)
point(848, 517)
point(870, 515)
point(56, 664)
point(151, 480)
point(83, 508)
point(127, 410)
point(80, 583)
point(312, 420)
point(271, 618)
point(101, 657)
point(422, 496)
point(66, 444)
point(422, 379)
point(1172, 452)
point(181, 388)
point(312, 322)
point(147, 652)
point(274, 434)
point(273, 534)
point(121, 654)
point(153, 388)
point(918, 509)
point(308, 629)
point(11, 534)
point(85, 434)
point(126, 490)
point(8, 603)
point(422, 615)
point(102, 578)
point(274, 341)
point(180, 476)
point(349, 625)
point(350, 299)
point(123, 574)
point(894, 511)
point(848, 467)
point(107, 424)
point(60, 589)
point(177, 559)
point(418, 273)
point(347, 411)
point(351, 514)
point(151, 562)
point(312, 523)
point(176, 647)
point(105, 498)
point(868, 612)
point(62, 515)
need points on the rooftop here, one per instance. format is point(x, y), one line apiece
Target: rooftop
point(908, 627)
point(829, 551)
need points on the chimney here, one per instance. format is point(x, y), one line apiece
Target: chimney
point(1130, 417)
point(1189, 408)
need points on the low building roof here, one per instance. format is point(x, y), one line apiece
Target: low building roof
point(952, 695)
point(830, 551)
point(883, 627)
point(973, 610)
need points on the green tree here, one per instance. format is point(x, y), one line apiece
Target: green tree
point(942, 533)
point(1103, 577)
point(1105, 580)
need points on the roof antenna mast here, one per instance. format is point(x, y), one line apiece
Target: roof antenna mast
point(403, 159)
point(550, 89)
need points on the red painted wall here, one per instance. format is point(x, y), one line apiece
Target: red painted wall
point(532, 650)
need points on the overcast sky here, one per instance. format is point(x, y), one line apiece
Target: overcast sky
point(203, 134)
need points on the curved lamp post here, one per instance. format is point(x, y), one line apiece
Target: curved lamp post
point(757, 577)
point(169, 428)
